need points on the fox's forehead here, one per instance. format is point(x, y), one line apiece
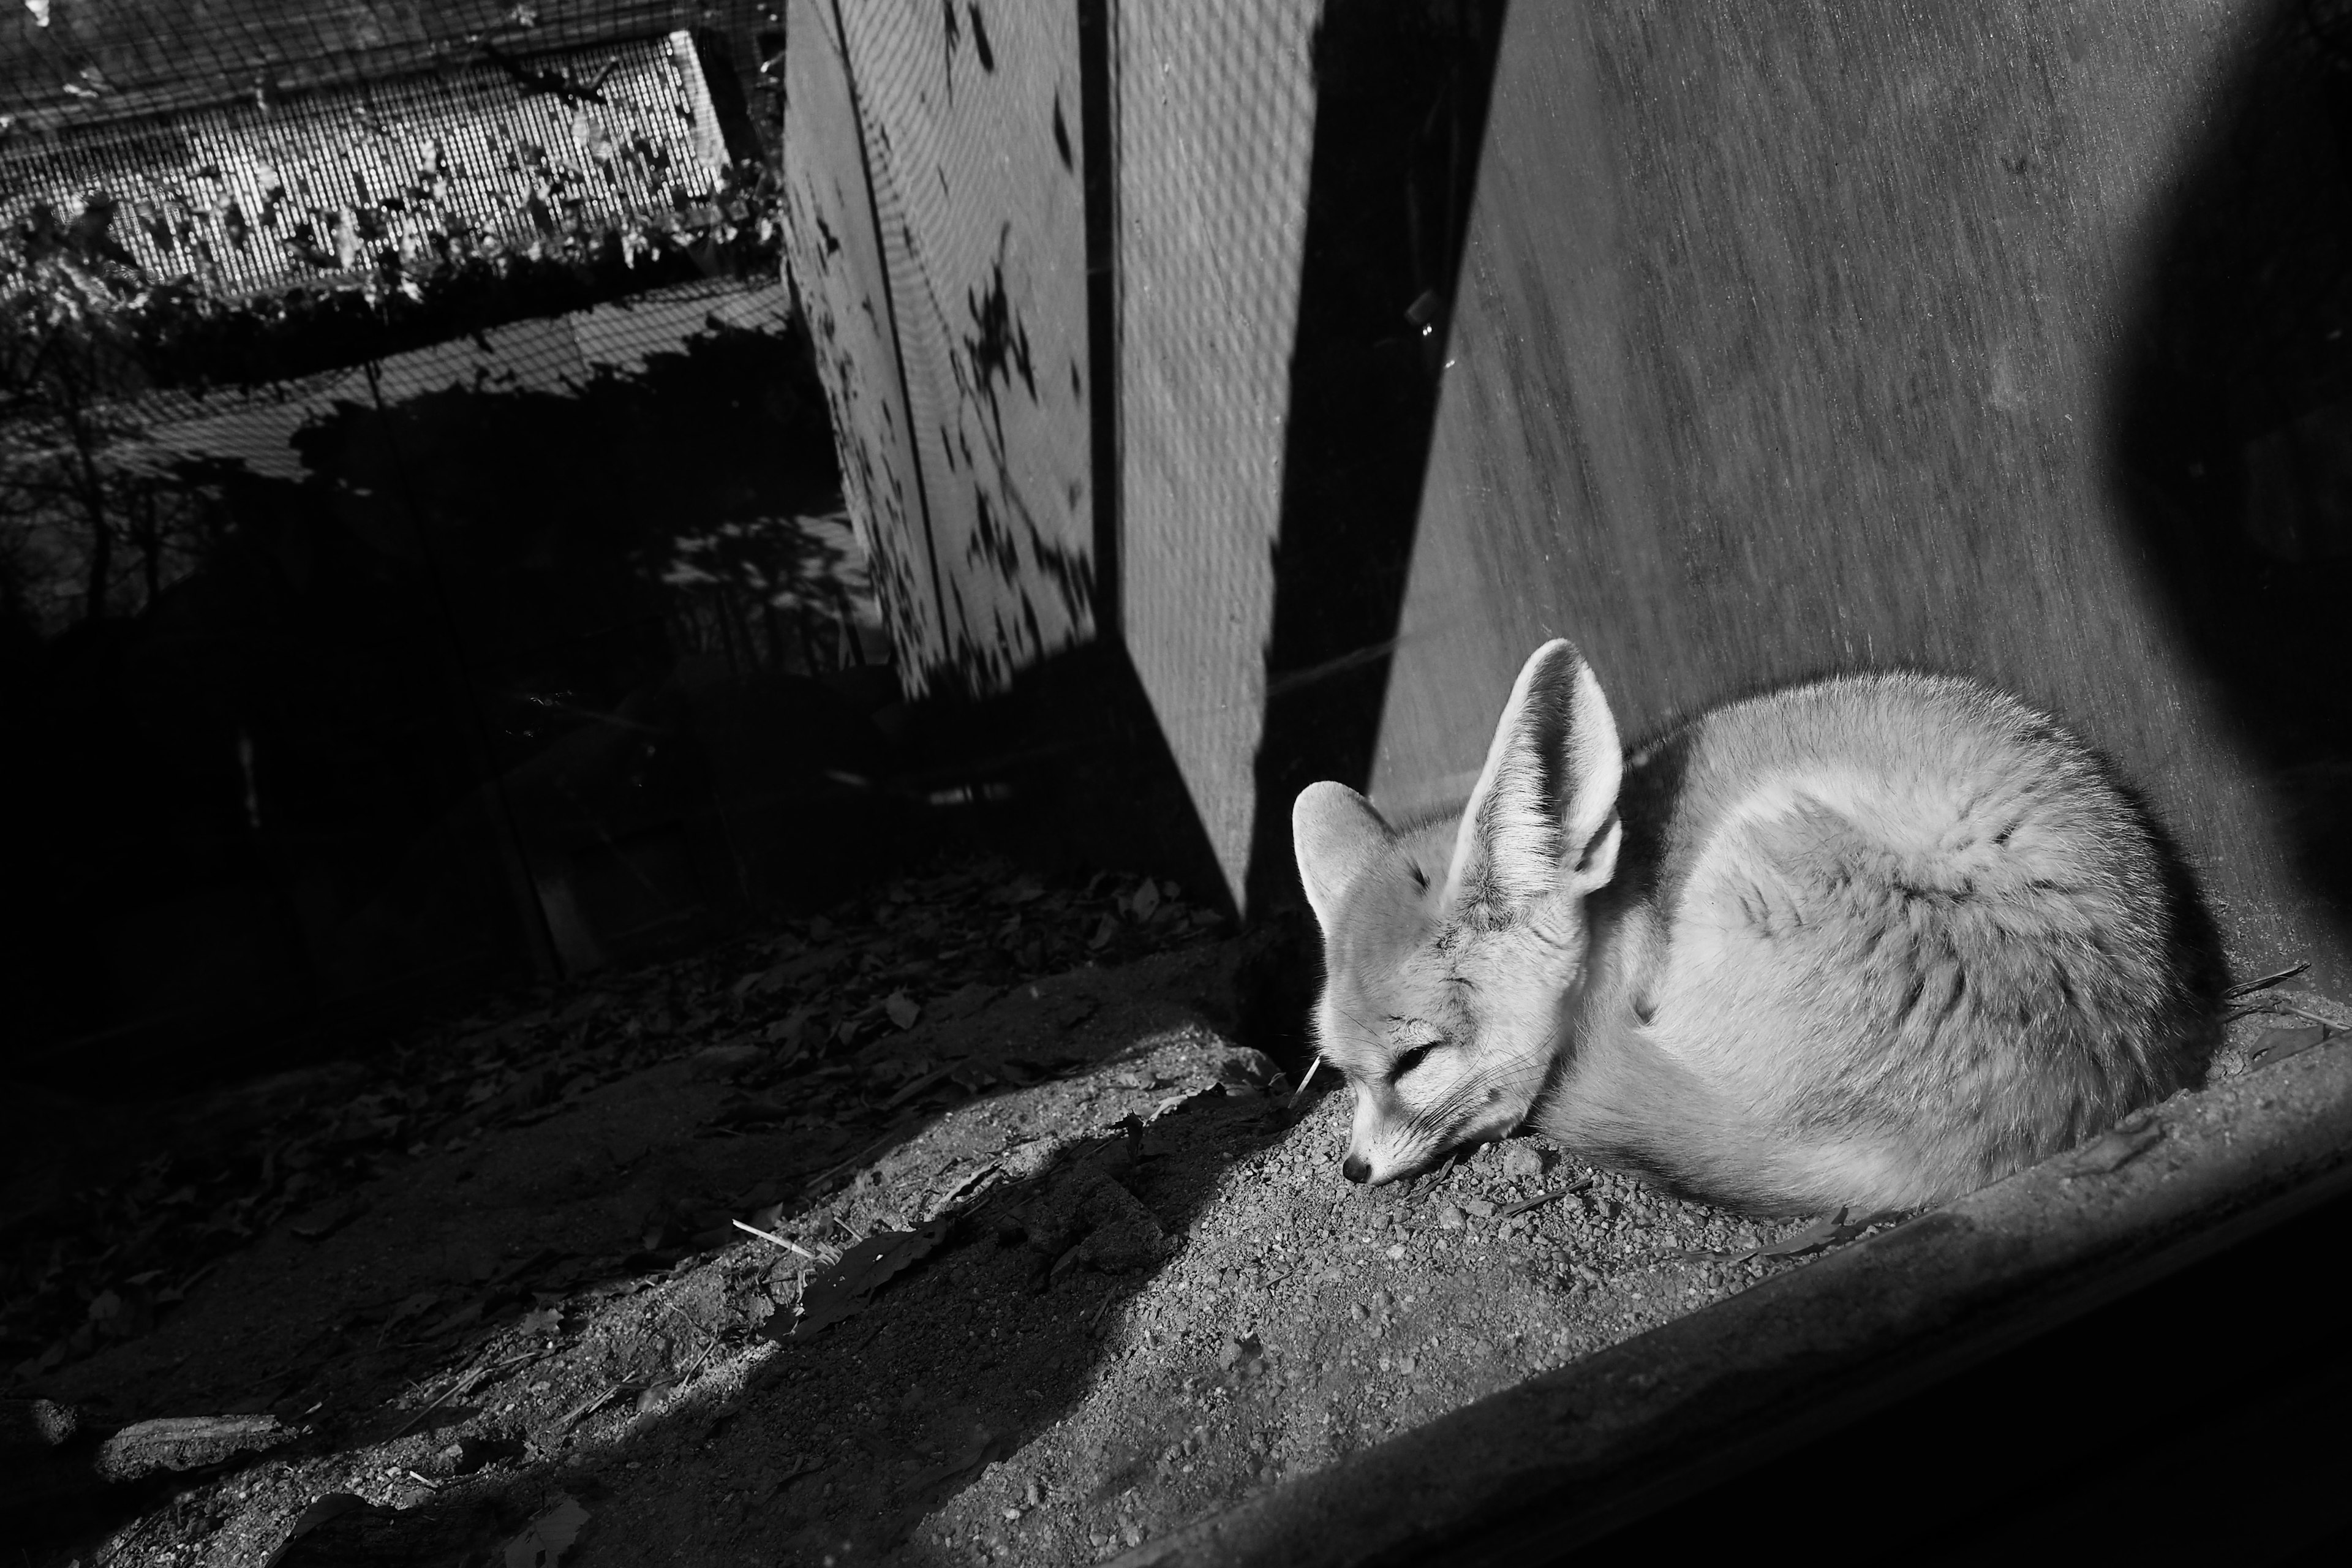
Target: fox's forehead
point(1369, 1014)
point(1450, 982)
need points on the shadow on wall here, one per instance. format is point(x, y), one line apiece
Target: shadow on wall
point(583, 660)
point(2234, 434)
point(1399, 114)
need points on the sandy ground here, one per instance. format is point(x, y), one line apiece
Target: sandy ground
point(1051, 1265)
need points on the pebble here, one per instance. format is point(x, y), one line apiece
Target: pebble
point(1522, 1161)
point(1449, 1217)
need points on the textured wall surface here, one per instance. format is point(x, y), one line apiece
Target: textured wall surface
point(1785, 346)
point(835, 261)
point(967, 125)
point(1216, 119)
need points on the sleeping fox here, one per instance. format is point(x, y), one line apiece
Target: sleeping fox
point(1871, 942)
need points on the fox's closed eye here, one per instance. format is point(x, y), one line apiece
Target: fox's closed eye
point(1408, 1060)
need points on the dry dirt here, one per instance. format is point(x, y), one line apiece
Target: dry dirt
point(1069, 1267)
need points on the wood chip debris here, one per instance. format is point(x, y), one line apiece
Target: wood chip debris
point(1524, 1204)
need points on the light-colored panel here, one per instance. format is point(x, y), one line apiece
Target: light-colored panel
point(971, 119)
point(1216, 125)
point(835, 262)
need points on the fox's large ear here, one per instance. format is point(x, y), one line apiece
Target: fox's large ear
point(1544, 813)
point(1339, 840)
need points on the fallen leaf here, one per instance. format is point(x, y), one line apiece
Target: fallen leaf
point(967, 999)
point(1103, 932)
point(731, 1060)
point(474, 1453)
point(918, 1084)
point(739, 1109)
point(902, 1009)
point(974, 1076)
point(982, 1445)
point(2277, 1045)
point(544, 1542)
point(1247, 1067)
point(1146, 900)
point(786, 1032)
point(865, 1267)
point(332, 1506)
point(471, 1312)
point(411, 1307)
point(324, 1220)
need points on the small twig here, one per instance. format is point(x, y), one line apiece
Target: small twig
point(587, 1407)
point(1308, 1076)
point(1524, 1204)
point(2249, 987)
point(781, 1241)
point(426, 1481)
point(422, 1411)
point(466, 1384)
point(710, 1343)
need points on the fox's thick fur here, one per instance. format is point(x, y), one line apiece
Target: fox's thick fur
point(1871, 942)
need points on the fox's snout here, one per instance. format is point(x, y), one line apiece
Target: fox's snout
point(1392, 1138)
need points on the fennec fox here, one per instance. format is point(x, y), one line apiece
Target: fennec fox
point(1871, 942)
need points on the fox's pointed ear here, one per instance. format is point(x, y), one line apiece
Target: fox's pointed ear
point(1339, 840)
point(1544, 815)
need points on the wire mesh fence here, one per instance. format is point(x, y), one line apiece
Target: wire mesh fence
point(420, 534)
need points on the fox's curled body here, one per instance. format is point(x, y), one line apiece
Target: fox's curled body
point(1874, 940)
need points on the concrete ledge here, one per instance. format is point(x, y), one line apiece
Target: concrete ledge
point(1565, 1457)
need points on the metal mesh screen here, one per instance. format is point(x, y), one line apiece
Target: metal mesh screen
point(1215, 117)
point(973, 298)
point(528, 631)
point(475, 157)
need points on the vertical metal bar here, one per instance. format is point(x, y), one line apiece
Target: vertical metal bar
point(890, 307)
point(1098, 147)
